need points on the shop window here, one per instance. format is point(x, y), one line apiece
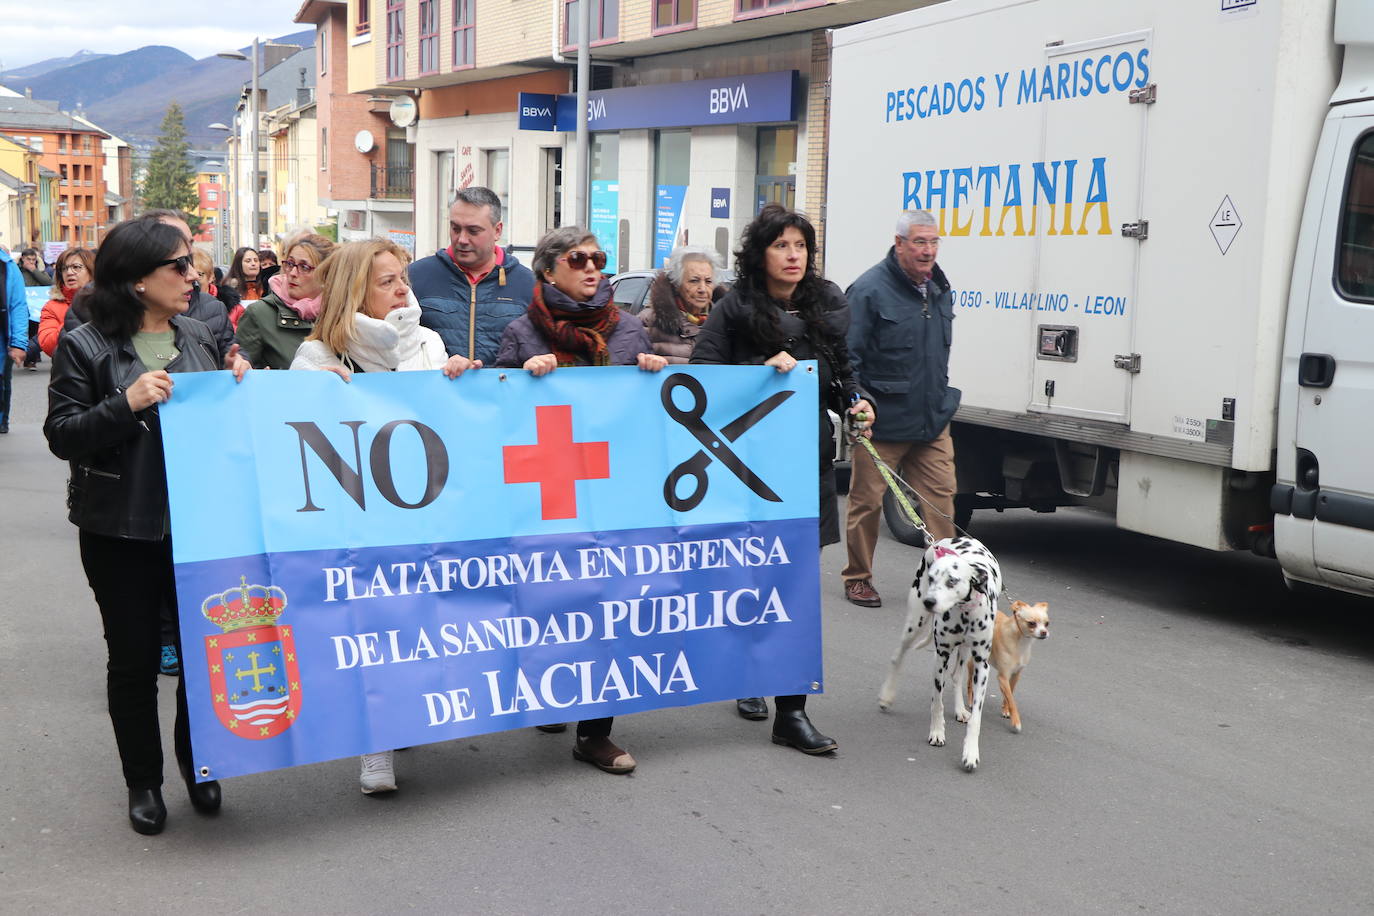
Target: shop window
point(775, 169)
point(672, 173)
point(395, 39)
point(464, 41)
point(444, 188)
point(604, 196)
point(363, 17)
point(674, 15)
point(605, 21)
point(749, 9)
point(429, 36)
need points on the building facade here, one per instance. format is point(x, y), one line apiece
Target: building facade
point(74, 151)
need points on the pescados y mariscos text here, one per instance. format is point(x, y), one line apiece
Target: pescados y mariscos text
point(566, 683)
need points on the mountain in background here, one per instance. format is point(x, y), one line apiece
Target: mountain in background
point(128, 94)
point(33, 71)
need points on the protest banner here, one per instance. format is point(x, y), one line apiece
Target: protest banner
point(406, 558)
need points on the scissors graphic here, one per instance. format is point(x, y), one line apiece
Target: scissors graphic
point(715, 449)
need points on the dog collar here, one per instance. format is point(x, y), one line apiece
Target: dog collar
point(942, 551)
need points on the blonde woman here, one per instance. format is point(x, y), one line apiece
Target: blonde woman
point(369, 322)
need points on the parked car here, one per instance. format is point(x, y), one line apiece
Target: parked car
point(630, 288)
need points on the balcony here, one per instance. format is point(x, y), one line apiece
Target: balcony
point(393, 182)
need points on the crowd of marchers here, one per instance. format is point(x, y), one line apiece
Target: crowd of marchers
point(123, 321)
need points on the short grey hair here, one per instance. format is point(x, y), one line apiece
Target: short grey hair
point(677, 261)
point(911, 218)
point(478, 196)
point(555, 243)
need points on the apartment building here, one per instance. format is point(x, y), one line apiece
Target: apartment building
point(73, 150)
point(701, 110)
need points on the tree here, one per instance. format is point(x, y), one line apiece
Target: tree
point(170, 182)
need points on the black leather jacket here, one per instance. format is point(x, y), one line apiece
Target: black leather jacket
point(118, 486)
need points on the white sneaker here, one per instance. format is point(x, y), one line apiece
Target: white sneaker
point(378, 774)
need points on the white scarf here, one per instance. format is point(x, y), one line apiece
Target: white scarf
point(381, 345)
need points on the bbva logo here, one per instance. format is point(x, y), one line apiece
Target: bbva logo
point(728, 98)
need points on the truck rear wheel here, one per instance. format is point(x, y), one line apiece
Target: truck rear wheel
point(901, 527)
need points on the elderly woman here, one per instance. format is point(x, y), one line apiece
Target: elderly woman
point(272, 328)
point(572, 321)
point(679, 300)
point(108, 378)
point(73, 270)
point(780, 311)
point(369, 322)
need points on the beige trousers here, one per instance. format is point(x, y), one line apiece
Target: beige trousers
point(927, 466)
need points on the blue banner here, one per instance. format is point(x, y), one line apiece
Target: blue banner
point(603, 214)
point(669, 199)
point(749, 99)
point(37, 297)
point(407, 559)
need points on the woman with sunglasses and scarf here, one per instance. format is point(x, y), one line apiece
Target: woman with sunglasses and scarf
point(779, 312)
point(108, 378)
point(274, 327)
point(572, 321)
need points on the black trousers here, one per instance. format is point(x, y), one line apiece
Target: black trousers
point(595, 728)
point(6, 376)
point(133, 581)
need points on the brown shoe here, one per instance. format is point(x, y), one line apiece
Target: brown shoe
point(862, 593)
point(603, 753)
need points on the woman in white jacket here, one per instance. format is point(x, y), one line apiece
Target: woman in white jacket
point(370, 322)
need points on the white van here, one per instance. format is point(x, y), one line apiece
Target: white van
point(1158, 216)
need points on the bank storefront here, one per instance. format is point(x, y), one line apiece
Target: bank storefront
point(671, 162)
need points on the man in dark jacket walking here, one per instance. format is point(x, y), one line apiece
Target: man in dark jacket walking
point(471, 290)
point(901, 326)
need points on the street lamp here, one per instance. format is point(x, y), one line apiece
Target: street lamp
point(227, 206)
point(253, 133)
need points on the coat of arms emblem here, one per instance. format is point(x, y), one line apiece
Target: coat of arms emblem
point(255, 682)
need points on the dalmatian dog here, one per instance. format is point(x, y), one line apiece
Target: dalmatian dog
point(954, 601)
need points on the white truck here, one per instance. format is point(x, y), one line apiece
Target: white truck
point(1158, 217)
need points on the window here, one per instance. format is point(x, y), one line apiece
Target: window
point(211, 196)
point(323, 45)
point(36, 144)
point(605, 21)
point(673, 15)
point(748, 9)
point(363, 17)
point(395, 39)
point(464, 43)
point(498, 179)
point(1355, 247)
point(61, 143)
point(324, 148)
point(429, 36)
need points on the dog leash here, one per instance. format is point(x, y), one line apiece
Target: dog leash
point(895, 484)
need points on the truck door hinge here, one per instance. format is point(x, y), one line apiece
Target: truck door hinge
point(1146, 95)
point(1128, 361)
point(1139, 231)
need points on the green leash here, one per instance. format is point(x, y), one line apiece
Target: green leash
point(912, 515)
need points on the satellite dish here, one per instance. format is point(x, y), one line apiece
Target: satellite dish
point(403, 111)
point(363, 142)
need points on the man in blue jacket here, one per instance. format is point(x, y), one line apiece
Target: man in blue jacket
point(471, 290)
point(901, 323)
point(14, 324)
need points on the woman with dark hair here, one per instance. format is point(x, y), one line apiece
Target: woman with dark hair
point(243, 277)
point(778, 312)
point(572, 321)
point(73, 270)
point(108, 378)
point(267, 266)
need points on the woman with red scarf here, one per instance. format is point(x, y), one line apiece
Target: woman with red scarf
point(75, 268)
point(572, 321)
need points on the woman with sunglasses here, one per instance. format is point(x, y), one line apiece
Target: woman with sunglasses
point(571, 321)
point(108, 378)
point(780, 311)
point(274, 327)
point(71, 272)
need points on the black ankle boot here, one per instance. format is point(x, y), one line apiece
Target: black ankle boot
point(205, 796)
point(147, 813)
point(792, 728)
point(752, 708)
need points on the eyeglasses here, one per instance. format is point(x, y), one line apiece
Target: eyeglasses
point(182, 264)
point(923, 243)
point(577, 260)
point(304, 267)
point(74, 266)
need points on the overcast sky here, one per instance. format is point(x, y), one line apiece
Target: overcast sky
point(36, 30)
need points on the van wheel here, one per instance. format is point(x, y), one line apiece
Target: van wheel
point(901, 527)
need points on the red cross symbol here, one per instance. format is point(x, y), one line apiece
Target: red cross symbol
point(556, 462)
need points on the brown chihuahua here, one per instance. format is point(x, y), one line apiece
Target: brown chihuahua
point(1011, 651)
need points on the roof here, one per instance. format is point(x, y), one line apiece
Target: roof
point(45, 172)
point(314, 11)
point(10, 181)
point(19, 143)
point(31, 114)
point(113, 200)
